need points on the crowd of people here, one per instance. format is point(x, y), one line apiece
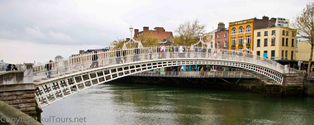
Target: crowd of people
point(11, 67)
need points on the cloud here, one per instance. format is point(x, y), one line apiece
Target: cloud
point(60, 36)
point(35, 33)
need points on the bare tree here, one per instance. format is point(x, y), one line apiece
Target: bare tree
point(188, 32)
point(304, 23)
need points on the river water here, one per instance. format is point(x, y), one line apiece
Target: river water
point(142, 104)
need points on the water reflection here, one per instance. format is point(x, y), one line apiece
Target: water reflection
point(140, 104)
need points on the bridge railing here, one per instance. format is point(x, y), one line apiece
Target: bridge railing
point(192, 74)
point(83, 62)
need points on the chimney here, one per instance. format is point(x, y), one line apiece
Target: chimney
point(135, 33)
point(221, 26)
point(145, 28)
point(265, 18)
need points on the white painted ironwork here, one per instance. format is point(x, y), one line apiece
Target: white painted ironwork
point(75, 74)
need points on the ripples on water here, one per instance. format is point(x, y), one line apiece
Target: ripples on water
point(140, 104)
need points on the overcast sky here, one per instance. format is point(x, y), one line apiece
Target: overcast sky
point(39, 30)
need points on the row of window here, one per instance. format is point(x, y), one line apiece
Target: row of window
point(240, 40)
point(273, 32)
point(225, 35)
point(273, 41)
point(240, 31)
point(225, 44)
point(284, 54)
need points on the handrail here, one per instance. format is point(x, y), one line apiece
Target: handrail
point(82, 62)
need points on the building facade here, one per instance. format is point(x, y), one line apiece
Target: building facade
point(303, 52)
point(241, 32)
point(276, 43)
point(222, 37)
point(158, 32)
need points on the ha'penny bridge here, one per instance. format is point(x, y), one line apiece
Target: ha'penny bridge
point(77, 73)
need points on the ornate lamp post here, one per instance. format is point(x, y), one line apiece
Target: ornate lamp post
point(201, 39)
point(131, 30)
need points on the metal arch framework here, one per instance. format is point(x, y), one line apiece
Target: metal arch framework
point(54, 89)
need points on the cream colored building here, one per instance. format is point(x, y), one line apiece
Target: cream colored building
point(276, 43)
point(303, 51)
point(303, 54)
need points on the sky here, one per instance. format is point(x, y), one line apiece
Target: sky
point(39, 30)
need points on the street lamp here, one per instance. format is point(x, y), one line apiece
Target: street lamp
point(131, 30)
point(201, 39)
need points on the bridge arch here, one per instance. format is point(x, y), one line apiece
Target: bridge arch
point(52, 90)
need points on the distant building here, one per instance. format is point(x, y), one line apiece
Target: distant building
point(276, 43)
point(222, 37)
point(159, 32)
point(303, 53)
point(242, 30)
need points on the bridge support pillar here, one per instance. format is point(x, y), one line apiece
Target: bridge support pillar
point(293, 84)
point(18, 90)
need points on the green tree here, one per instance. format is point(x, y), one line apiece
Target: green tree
point(188, 33)
point(304, 23)
point(119, 43)
point(148, 39)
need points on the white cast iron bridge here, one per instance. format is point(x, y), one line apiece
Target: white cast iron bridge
point(75, 74)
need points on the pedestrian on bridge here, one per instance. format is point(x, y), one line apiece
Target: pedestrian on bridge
point(48, 67)
point(196, 51)
point(94, 60)
point(118, 53)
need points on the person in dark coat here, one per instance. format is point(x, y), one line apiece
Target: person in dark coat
point(48, 67)
point(9, 67)
point(94, 59)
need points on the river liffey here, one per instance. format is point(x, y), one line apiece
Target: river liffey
point(142, 104)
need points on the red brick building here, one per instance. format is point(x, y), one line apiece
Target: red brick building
point(222, 37)
point(158, 32)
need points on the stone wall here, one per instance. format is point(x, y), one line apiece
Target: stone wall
point(20, 96)
point(293, 84)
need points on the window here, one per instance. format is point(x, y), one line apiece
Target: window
point(258, 53)
point(272, 54)
point(292, 42)
point(286, 56)
point(218, 45)
point(273, 32)
point(248, 29)
point(293, 33)
point(265, 33)
point(226, 43)
point(287, 33)
point(273, 41)
point(218, 36)
point(258, 43)
point(225, 35)
point(240, 30)
point(265, 54)
point(291, 55)
point(283, 42)
point(286, 41)
point(233, 32)
point(265, 42)
point(282, 54)
point(258, 33)
point(283, 32)
point(233, 41)
point(240, 41)
point(248, 40)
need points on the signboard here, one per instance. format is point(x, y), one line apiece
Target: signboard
point(241, 22)
point(282, 22)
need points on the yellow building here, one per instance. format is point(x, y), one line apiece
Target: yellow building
point(276, 43)
point(241, 31)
